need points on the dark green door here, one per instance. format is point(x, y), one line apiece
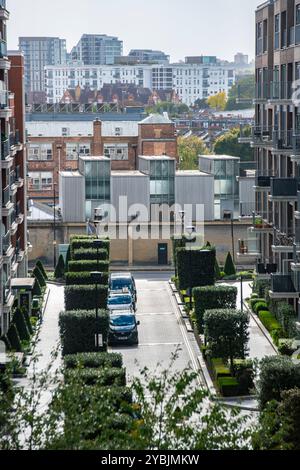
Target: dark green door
point(162, 254)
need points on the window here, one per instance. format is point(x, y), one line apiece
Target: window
point(40, 181)
point(277, 31)
point(116, 151)
point(40, 152)
point(73, 150)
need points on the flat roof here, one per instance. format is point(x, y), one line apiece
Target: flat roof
point(193, 173)
point(23, 283)
point(156, 157)
point(95, 158)
point(128, 173)
point(218, 157)
point(70, 173)
point(81, 116)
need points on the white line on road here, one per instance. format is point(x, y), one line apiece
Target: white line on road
point(160, 344)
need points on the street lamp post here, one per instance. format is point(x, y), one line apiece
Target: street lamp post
point(242, 299)
point(182, 216)
point(190, 231)
point(96, 278)
point(54, 225)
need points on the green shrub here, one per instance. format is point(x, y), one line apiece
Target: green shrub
point(213, 297)
point(219, 368)
point(277, 374)
point(39, 276)
point(254, 296)
point(88, 266)
point(196, 267)
point(60, 268)
point(90, 254)
point(6, 341)
point(14, 338)
point(99, 377)
point(285, 347)
point(93, 360)
point(287, 317)
point(254, 301)
point(260, 306)
point(228, 386)
point(84, 297)
point(40, 266)
point(21, 325)
point(68, 259)
point(269, 321)
point(27, 319)
point(261, 287)
point(78, 329)
point(229, 267)
point(83, 279)
point(217, 271)
point(233, 277)
point(243, 371)
point(77, 243)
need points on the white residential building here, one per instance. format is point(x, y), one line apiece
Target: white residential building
point(189, 81)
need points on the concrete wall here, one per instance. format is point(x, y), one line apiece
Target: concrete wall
point(196, 189)
point(137, 189)
point(138, 252)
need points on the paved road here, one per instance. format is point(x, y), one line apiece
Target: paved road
point(161, 330)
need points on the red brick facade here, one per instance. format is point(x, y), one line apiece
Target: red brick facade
point(153, 139)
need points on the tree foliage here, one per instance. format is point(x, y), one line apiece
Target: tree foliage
point(229, 267)
point(173, 109)
point(189, 149)
point(60, 268)
point(218, 101)
point(228, 144)
point(244, 88)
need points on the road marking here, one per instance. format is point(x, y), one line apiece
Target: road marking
point(161, 344)
point(154, 314)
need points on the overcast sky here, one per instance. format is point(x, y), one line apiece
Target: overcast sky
point(179, 28)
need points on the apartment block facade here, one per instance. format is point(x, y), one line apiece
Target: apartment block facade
point(274, 239)
point(13, 241)
point(189, 81)
point(57, 144)
point(39, 52)
point(97, 49)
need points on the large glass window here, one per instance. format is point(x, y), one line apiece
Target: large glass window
point(162, 182)
point(276, 31)
point(97, 178)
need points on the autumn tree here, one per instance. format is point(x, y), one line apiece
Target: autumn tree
point(189, 148)
point(218, 101)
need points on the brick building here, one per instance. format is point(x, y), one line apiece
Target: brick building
point(56, 145)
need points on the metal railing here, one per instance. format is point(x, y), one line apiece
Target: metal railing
point(3, 4)
point(269, 268)
point(13, 216)
point(284, 238)
point(14, 138)
point(5, 149)
point(284, 187)
point(282, 283)
point(5, 243)
point(3, 49)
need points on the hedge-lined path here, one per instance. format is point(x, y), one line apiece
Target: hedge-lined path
point(161, 330)
point(259, 345)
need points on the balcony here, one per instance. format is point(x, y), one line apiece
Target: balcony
point(284, 241)
point(282, 286)
point(284, 189)
point(281, 92)
point(6, 243)
point(5, 196)
point(262, 136)
point(264, 271)
point(297, 213)
point(260, 225)
point(3, 98)
point(3, 49)
point(262, 181)
point(248, 249)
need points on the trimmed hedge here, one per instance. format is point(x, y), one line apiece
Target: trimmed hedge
point(39, 276)
point(99, 377)
point(27, 319)
point(219, 368)
point(21, 325)
point(83, 279)
point(77, 243)
point(60, 268)
point(14, 338)
point(213, 297)
point(90, 254)
point(40, 265)
point(260, 306)
point(88, 266)
point(196, 267)
point(93, 360)
point(78, 329)
point(229, 268)
point(37, 290)
point(83, 297)
point(228, 386)
point(254, 301)
point(269, 321)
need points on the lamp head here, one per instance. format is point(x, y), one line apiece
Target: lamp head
point(190, 230)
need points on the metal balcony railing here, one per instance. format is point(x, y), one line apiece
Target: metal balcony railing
point(5, 149)
point(3, 4)
point(13, 217)
point(5, 196)
point(18, 172)
point(5, 243)
point(12, 178)
point(270, 268)
point(14, 138)
point(284, 187)
point(263, 180)
point(284, 237)
point(282, 283)
point(281, 90)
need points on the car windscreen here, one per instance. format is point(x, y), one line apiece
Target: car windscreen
point(122, 320)
point(119, 284)
point(120, 300)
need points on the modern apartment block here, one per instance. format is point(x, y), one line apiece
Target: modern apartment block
point(274, 239)
point(189, 81)
point(39, 52)
point(13, 241)
point(97, 49)
point(145, 56)
point(56, 142)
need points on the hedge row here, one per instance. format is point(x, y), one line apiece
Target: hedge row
point(90, 254)
point(83, 279)
point(100, 377)
point(213, 297)
point(196, 267)
point(269, 321)
point(83, 297)
point(93, 360)
point(78, 329)
point(77, 243)
point(88, 265)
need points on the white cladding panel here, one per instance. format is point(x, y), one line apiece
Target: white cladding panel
point(193, 190)
point(247, 195)
point(59, 129)
point(137, 190)
point(120, 128)
point(72, 197)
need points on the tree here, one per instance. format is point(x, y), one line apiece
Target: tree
point(37, 290)
point(226, 333)
point(39, 276)
point(189, 148)
point(228, 144)
point(217, 101)
point(229, 267)
point(243, 89)
point(21, 325)
point(173, 109)
point(40, 265)
point(201, 104)
point(277, 374)
point(217, 271)
point(14, 338)
point(60, 268)
point(279, 424)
